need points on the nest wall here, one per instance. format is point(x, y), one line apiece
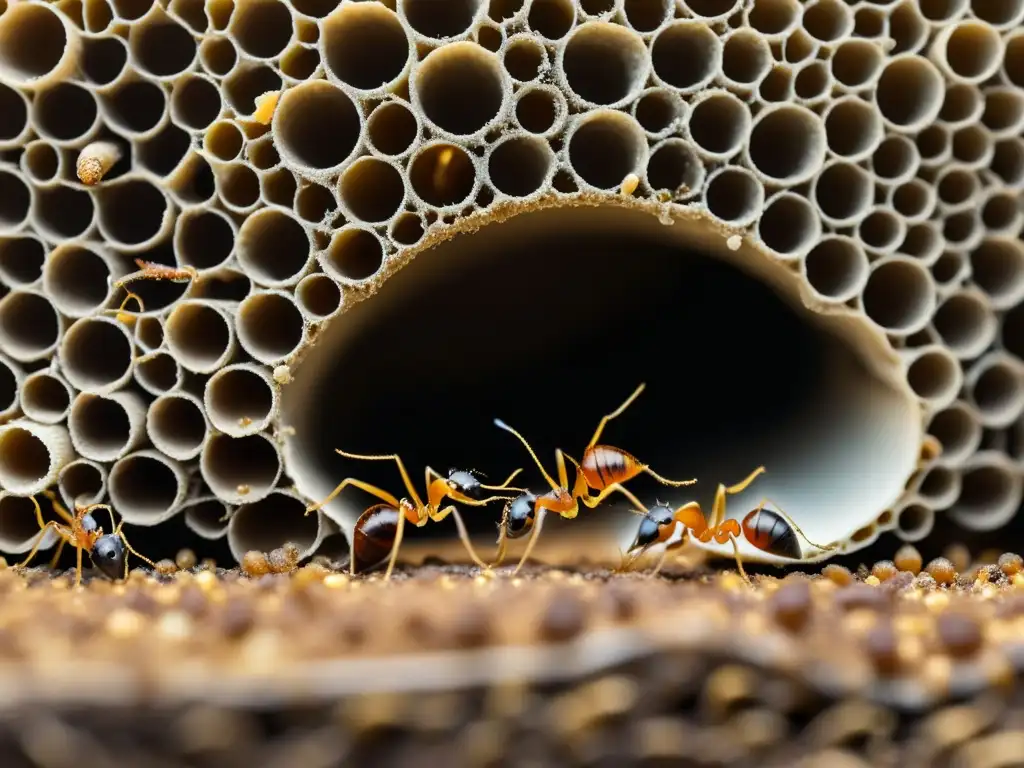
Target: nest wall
point(294, 155)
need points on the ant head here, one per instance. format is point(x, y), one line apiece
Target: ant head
point(465, 483)
point(661, 514)
point(519, 515)
point(646, 535)
point(108, 555)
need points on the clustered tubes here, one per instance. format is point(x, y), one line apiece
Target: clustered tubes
point(874, 147)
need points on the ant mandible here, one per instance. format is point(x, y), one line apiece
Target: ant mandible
point(768, 530)
point(379, 530)
point(604, 468)
point(107, 551)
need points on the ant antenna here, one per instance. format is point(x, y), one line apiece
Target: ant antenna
point(502, 425)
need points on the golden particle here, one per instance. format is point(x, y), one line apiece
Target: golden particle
point(942, 570)
point(254, 563)
point(908, 559)
point(206, 580)
point(884, 570)
point(266, 103)
point(283, 374)
point(874, 581)
point(185, 559)
point(837, 574)
point(629, 184)
point(1011, 563)
point(166, 567)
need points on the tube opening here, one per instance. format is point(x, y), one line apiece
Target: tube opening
point(681, 284)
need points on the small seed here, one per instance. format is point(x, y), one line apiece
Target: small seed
point(908, 559)
point(884, 570)
point(942, 570)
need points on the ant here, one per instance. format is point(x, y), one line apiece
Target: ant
point(107, 551)
point(604, 468)
point(769, 530)
point(149, 270)
point(379, 530)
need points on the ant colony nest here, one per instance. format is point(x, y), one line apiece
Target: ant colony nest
point(287, 157)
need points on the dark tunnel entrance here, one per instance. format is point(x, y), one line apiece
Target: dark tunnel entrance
point(549, 322)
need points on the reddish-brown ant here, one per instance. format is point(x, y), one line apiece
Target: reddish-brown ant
point(604, 468)
point(771, 531)
point(149, 270)
point(379, 530)
point(107, 551)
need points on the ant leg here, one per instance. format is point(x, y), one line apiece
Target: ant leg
point(533, 540)
point(739, 560)
point(463, 533)
point(593, 501)
point(614, 414)
point(387, 457)
point(718, 510)
point(57, 507)
point(371, 489)
point(131, 549)
point(63, 532)
point(78, 567)
point(796, 527)
point(502, 425)
point(399, 531)
point(57, 554)
point(502, 548)
point(666, 481)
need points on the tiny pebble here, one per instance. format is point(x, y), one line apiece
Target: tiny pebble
point(908, 559)
point(166, 567)
point(942, 570)
point(959, 633)
point(884, 570)
point(564, 618)
point(791, 604)
point(837, 574)
point(255, 563)
point(1011, 563)
point(185, 560)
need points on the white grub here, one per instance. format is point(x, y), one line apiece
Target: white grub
point(95, 161)
point(734, 242)
point(629, 184)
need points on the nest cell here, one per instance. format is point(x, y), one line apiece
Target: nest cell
point(218, 56)
point(41, 162)
point(204, 238)
point(261, 28)
point(675, 167)
point(934, 375)
point(15, 200)
point(711, 10)
point(354, 256)
point(162, 47)
point(133, 213)
point(177, 425)
point(787, 144)
point(828, 20)
point(272, 522)
point(14, 122)
point(856, 64)
point(392, 129)
point(997, 266)
point(550, 19)
point(734, 195)
point(524, 58)
point(371, 190)
point(270, 326)
point(973, 147)
point(1008, 162)
point(966, 323)
point(223, 141)
point(836, 268)
point(77, 279)
point(895, 160)
point(38, 44)
point(659, 112)
point(461, 88)
point(995, 386)
point(365, 46)
point(957, 189)
point(31, 455)
point(789, 225)
point(923, 241)
point(910, 93)
point(899, 295)
point(10, 387)
point(442, 175)
point(407, 229)
point(844, 193)
point(58, 212)
point(134, 109)
point(278, 188)
point(968, 52)
point(239, 187)
point(158, 372)
point(45, 396)
point(519, 166)
point(914, 201)
point(958, 430)
point(106, 427)
point(990, 493)
point(604, 147)
point(541, 109)
point(240, 399)
point(853, 129)
point(962, 106)
point(882, 231)
point(908, 28)
point(1001, 214)
point(719, 124)
point(200, 335)
point(646, 15)
point(1003, 113)
point(686, 55)
point(273, 247)
point(21, 260)
point(240, 469)
point(317, 127)
point(30, 326)
point(1001, 14)
point(96, 355)
point(604, 64)
point(442, 19)
point(146, 487)
point(207, 517)
point(746, 59)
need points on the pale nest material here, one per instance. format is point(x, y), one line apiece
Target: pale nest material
point(864, 159)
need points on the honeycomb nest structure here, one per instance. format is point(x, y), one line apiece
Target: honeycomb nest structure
point(866, 157)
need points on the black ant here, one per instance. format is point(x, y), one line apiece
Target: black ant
point(769, 530)
point(379, 530)
point(107, 551)
point(604, 468)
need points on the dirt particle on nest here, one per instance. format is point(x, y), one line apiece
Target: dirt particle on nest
point(837, 574)
point(564, 617)
point(942, 570)
point(1011, 563)
point(908, 559)
point(254, 564)
point(166, 567)
point(185, 560)
point(884, 570)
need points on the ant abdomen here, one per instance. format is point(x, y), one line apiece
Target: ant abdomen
point(604, 465)
point(771, 532)
point(374, 537)
point(520, 515)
